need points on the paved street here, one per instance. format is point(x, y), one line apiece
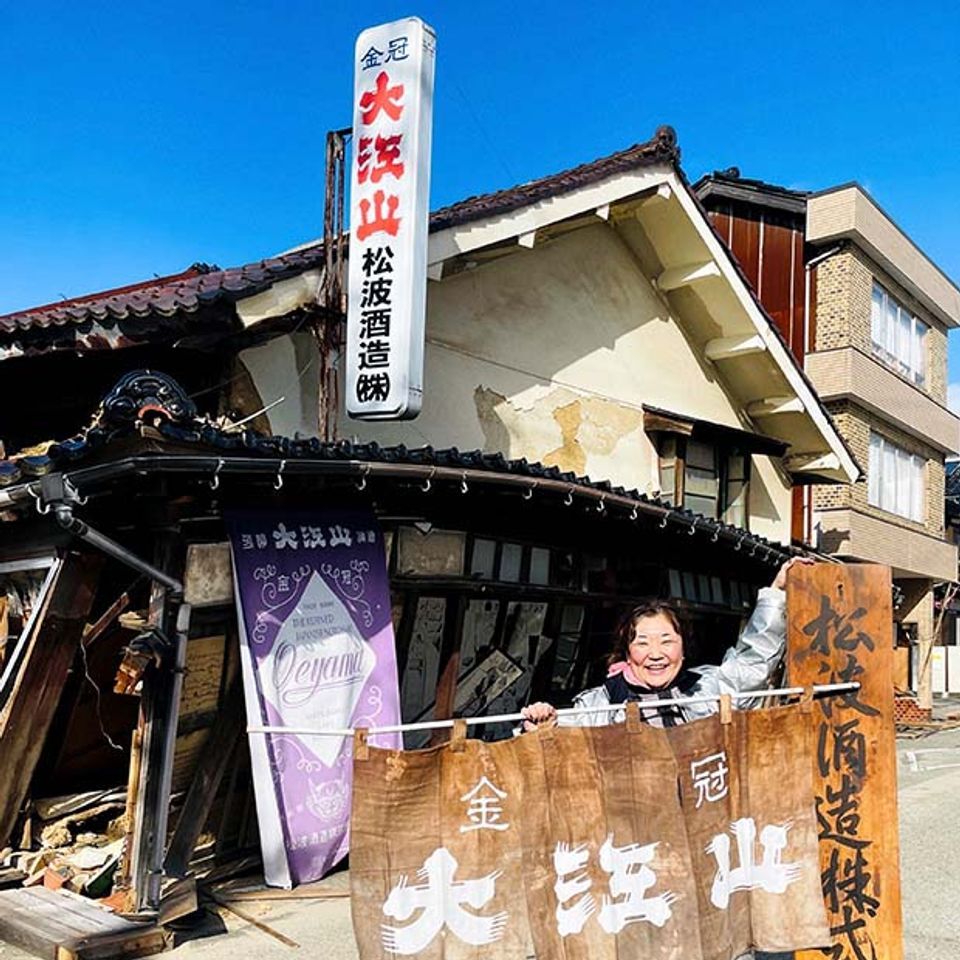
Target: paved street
point(930, 845)
point(929, 848)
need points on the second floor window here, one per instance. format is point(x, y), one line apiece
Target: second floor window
point(899, 338)
point(712, 479)
point(895, 479)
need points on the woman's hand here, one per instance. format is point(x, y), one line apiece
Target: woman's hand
point(780, 580)
point(538, 714)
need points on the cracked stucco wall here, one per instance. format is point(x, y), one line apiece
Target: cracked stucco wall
point(550, 354)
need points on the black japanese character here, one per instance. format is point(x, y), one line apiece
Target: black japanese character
point(376, 293)
point(372, 58)
point(374, 323)
point(397, 49)
point(376, 261)
point(373, 386)
point(374, 354)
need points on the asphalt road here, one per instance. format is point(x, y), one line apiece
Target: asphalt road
point(929, 795)
point(929, 791)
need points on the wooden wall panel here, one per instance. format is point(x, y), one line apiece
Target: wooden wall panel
point(840, 629)
point(776, 278)
point(745, 244)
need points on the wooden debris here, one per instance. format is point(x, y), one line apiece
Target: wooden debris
point(60, 925)
point(28, 712)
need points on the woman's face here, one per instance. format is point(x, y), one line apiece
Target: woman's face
point(656, 651)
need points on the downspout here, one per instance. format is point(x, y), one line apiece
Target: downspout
point(63, 512)
point(808, 267)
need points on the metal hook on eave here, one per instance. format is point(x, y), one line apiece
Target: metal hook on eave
point(528, 493)
point(42, 508)
point(568, 499)
point(215, 479)
point(362, 482)
point(663, 522)
point(739, 545)
point(278, 482)
point(463, 482)
point(429, 481)
point(633, 513)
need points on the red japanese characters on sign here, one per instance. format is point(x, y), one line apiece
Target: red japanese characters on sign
point(393, 99)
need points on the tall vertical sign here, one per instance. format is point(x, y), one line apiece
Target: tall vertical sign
point(840, 629)
point(389, 219)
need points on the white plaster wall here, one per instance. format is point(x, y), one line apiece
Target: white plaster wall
point(287, 367)
point(550, 354)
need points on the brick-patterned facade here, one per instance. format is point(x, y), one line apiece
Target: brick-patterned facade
point(844, 292)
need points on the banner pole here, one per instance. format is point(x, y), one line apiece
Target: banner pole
point(822, 689)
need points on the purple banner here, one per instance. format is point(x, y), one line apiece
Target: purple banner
point(318, 652)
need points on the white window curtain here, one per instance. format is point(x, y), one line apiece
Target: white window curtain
point(895, 480)
point(899, 338)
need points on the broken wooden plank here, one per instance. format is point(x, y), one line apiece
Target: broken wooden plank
point(29, 711)
point(94, 630)
point(206, 779)
point(57, 924)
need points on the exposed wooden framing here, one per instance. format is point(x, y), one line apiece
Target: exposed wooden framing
point(95, 630)
point(725, 348)
point(159, 712)
point(675, 277)
point(46, 664)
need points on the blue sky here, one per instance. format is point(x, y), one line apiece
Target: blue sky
point(143, 137)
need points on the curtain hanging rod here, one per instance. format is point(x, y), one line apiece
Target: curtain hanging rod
point(829, 689)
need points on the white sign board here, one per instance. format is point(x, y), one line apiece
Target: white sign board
point(389, 218)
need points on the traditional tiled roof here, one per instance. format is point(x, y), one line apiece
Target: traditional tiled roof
point(662, 148)
point(201, 287)
point(148, 400)
point(198, 287)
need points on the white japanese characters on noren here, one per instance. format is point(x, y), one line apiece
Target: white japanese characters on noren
point(709, 775)
point(484, 810)
point(442, 902)
point(771, 874)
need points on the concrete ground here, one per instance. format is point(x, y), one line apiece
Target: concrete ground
point(929, 790)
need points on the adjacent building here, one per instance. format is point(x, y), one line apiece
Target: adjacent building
point(867, 313)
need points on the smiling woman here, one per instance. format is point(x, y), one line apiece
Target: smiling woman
point(646, 664)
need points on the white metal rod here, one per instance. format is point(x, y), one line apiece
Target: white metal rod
point(825, 688)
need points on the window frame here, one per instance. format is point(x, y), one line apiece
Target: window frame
point(884, 489)
point(673, 447)
point(887, 330)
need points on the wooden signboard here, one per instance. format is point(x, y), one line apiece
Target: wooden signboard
point(840, 629)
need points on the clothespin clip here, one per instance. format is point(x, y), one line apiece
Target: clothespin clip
point(458, 738)
point(633, 716)
point(726, 708)
point(806, 699)
point(361, 749)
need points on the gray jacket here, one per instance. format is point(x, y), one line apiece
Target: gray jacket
point(750, 665)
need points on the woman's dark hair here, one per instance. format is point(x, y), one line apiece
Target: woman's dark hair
point(623, 633)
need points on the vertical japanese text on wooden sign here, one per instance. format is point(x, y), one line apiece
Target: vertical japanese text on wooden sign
point(389, 220)
point(840, 631)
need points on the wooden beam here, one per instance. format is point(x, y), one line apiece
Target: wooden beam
point(675, 277)
point(840, 628)
point(772, 406)
point(28, 713)
point(661, 193)
point(811, 462)
point(725, 348)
